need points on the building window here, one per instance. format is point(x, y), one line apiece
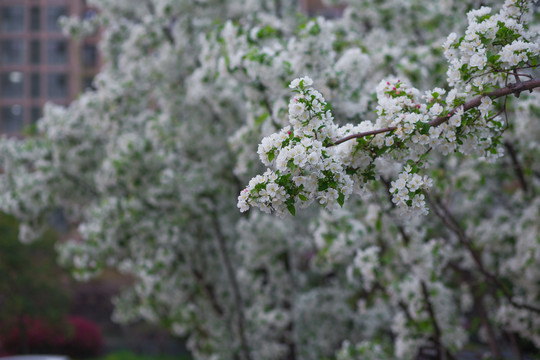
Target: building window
point(57, 85)
point(12, 52)
point(35, 85)
point(89, 14)
point(53, 15)
point(89, 55)
point(35, 114)
point(12, 119)
point(35, 18)
point(57, 52)
point(35, 52)
point(11, 84)
point(12, 19)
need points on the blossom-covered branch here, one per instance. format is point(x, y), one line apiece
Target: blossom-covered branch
point(311, 166)
point(513, 88)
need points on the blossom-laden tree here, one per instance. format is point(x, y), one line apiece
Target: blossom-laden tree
point(437, 136)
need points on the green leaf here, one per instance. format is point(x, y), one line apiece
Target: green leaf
point(260, 119)
point(341, 199)
point(323, 185)
point(492, 58)
point(267, 32)
point(291, 209)
point(315, 30)
point(302, 197)
point(291, 165)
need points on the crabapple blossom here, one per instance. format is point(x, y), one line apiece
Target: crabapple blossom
point(420, 146)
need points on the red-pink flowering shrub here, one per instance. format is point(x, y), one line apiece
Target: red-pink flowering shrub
point(33, 335)
point(75, 337)
point(85, 338)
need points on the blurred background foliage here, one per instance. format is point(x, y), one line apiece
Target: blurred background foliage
point(43, 311)
point(32, 286)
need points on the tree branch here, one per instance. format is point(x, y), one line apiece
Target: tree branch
point(443, 351)
point(234, 285)
point(448, 219)
point(517, 166)
point(515, 346)
point(492, 340)
point(209, 289)
point(77, 181)
point(514, 88)
point(440, 346)
point(167, 28)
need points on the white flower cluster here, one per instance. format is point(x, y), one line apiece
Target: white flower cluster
point(518, 52)
point(409, 339)
point(365, 263)
point(399, 106)
point(305, 169)
point(492, 45)
point(309, 168)
point(520, 321)
point(474, 132)
point(407, 193)
point(365, 350)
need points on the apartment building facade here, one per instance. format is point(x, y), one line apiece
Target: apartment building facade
point(37, 62)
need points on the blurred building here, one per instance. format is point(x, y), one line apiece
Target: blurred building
point(318, 8)
point(37, 62)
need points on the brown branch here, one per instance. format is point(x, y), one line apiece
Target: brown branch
point(514, 88)
point(361, 135)
point(209, 289)
point(516, 77)
point(431, 312)
point(436, 328)
point(441, 349)
point(222, 246)
point(478, 293)
point(515, 346)
point(517, 166)
point(481, 309)
point(167, 30)
point(448, 219)
point(78, 181)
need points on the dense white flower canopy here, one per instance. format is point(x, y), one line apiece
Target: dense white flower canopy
point(414, 124)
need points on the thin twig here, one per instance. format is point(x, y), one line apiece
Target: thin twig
point(515, 346)
point(517, 166)
point(76, 180)
point(481, 309)
point(209, 289)
point(436, 329)
point(449, 220)
point(234, 285)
